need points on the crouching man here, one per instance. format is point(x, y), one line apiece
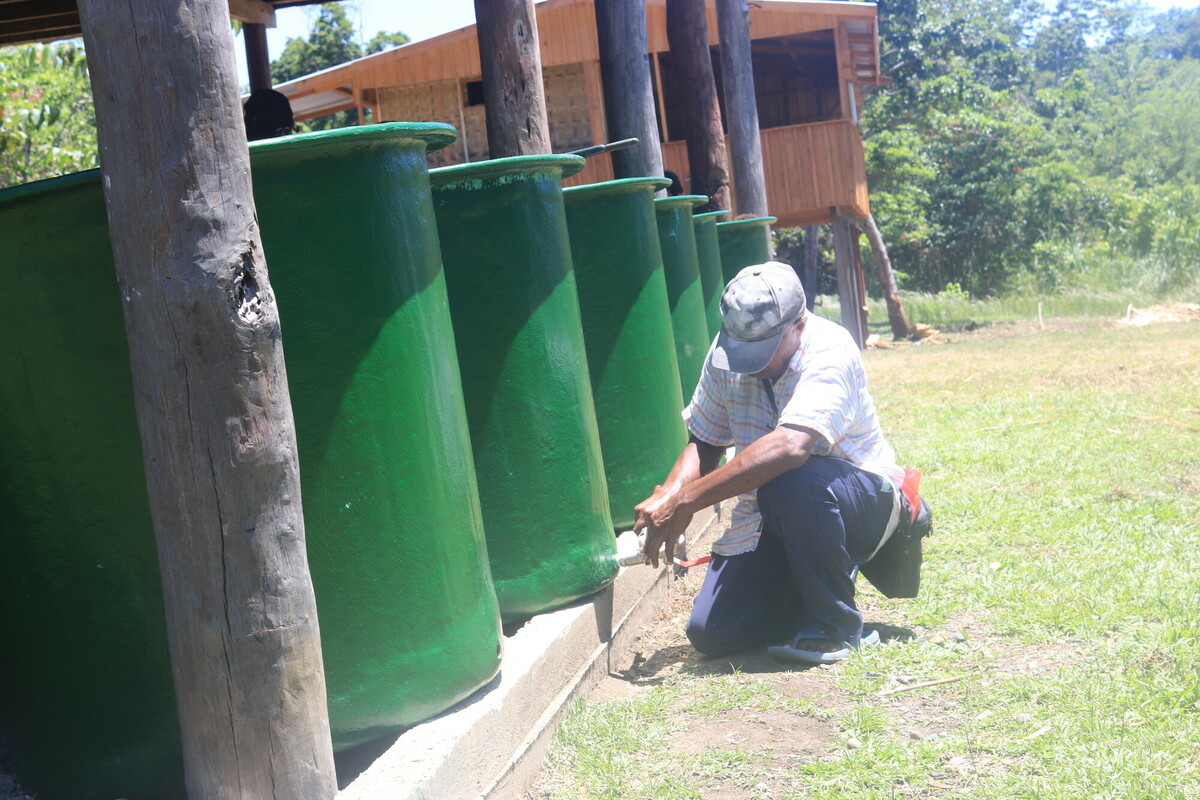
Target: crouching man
point(817, 483)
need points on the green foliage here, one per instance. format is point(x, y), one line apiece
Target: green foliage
point(385, 41)
point(330, 42)
point(47, 126)
point(1017, 147)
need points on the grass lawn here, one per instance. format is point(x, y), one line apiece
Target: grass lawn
point(1061, 595)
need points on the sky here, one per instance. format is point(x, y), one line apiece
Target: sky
point(424, 19)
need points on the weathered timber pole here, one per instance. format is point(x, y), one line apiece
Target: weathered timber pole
point(628, 93)
point(687, 34)
point(849, 298)
point(812, 279)
point(258, 59)
point(212, 401)
point(891, 295)
point(511, 63)
point(737, 79)
point(860, 281)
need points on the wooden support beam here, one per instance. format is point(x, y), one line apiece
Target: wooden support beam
point(860, 280)
point(628, 96)
point(258, 58)
point(511, 63)
point(210, 392)
point(845, 71)
point(849, 299)
point(19, 31)
point(737, 77)
point(812, 279)
point(253, 11)
point(687, 32)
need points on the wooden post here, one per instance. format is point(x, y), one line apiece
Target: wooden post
point(737, 78)
point(628, 96)
point(848, 294)
point(511, 63)
point(687, 33)
point(812, 274)
point(211, 397)
point(258, 59)
point(860, 282)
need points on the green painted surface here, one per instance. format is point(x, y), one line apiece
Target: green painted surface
point(685, 292)
point(529, 403)
point(85, 680)
point(408, 621)
point(627, 330)
point(744, 242)
point(409, 618)
point(708, 255)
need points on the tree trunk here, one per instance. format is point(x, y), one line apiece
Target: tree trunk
point(513, 94)
point(212, 402)
point(891, 295)
point(741, 106)
point(687, 33)
point(849, 298)
point(628, 94)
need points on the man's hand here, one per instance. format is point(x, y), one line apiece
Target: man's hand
point(661, 514)
point(665, 520)
point(641, 512)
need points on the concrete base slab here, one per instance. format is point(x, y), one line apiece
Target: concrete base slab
point(491, 745)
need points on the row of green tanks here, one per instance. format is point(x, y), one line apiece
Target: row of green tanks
point(485, 373)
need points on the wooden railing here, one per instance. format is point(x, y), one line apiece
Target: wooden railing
point(810, 170)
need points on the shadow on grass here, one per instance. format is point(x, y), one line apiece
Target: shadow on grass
point(663, 662)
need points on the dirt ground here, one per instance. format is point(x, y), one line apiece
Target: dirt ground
point(780, 739)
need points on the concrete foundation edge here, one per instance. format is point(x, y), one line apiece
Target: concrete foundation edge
point(494, 742)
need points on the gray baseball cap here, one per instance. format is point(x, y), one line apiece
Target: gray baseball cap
point(756, 307)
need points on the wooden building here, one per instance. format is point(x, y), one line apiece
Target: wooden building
point(810, 60)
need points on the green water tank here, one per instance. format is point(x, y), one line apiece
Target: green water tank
point(627, 329)
point(708, 254)
point(529, 402)
point(408, 618)
point(86, 698)
point(677, 237)
point(744, 242)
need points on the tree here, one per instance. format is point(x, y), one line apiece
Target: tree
point(330, 42)
point(386, 41)
point(47, 126)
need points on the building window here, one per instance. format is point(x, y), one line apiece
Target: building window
point(474, 92)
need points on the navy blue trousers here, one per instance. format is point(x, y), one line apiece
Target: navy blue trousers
point(819, 521)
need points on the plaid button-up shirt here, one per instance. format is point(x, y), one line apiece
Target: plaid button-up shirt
point(824, 388)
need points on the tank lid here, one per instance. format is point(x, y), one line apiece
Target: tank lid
point(565, 165)
point(435, 135)
point(681, 201)
point(748, 222)
point(618, 186)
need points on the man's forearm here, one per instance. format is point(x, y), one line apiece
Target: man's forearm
point(781, 450)
point(697, 459)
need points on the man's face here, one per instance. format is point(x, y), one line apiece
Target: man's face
point(783, 353)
